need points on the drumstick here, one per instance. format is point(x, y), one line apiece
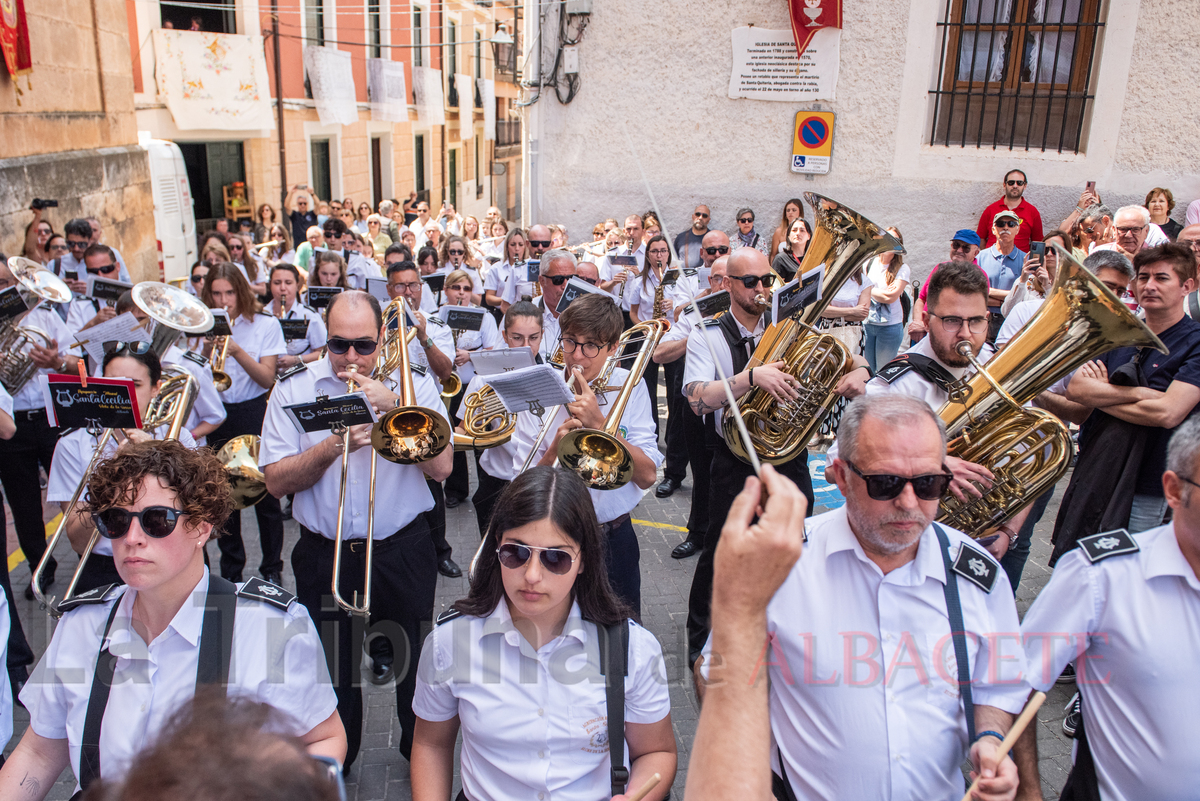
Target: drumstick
point(1014, 734)
point(650, 784)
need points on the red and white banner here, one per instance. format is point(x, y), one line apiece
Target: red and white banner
point(810, 16)
point(14, 37)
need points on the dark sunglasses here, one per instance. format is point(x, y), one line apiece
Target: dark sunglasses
point(104, 268)
point(363, 347)
point(156, 521)
point(746, 220)
point(722, 249)
point(514, 556)
point(699, 214)
point(1006, 224)
point(1015, 183)
point(539, 243)
point(197, 279)
point(751, 281)
point(456, 252)
point(963, 246)
point(77, 245)
point(883, 487)
point(134, 348)
point(557, 280)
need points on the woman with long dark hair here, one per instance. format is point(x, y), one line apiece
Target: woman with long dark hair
point(787, 263)
point(256, 343)
point(641, 307)
point(884, 327)
point(792, 210)
point(516, 665)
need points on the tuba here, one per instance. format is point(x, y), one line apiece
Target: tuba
point(35, 285)
point(843, 241)
point(1028, 450)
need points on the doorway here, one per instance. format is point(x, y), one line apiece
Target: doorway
point(210, 167)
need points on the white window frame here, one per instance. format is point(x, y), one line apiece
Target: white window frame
point(388, 163)
point(420, 53)
point(315, 130)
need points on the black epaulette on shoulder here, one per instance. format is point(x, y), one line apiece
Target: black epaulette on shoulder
point(448, 615)
point(976, 566)
point(690, 271)
point(97, 596)
point(264, 313)
point(1108, 543)
point(419, 369)
point(286, 374)
point(711, 322)
point(267, 592)
point(922, 365)
point(196, 357)
point(435, 319)
point(310, 308)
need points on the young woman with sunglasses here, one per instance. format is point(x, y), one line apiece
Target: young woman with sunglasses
point(256, 344)
point(159, 503)
point(458, 293)
point(516, 667)
point(285, 305)
point(132, 360)
point(792, 210)
point(266, 221)
point(514, 249)
point(457, 253)
point(242, 253)
point(494, 466)
point(362, 219)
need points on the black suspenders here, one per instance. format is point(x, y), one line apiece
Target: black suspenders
point(216, 650)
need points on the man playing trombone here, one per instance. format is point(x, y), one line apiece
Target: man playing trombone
point(591, 330)
point(404, 565)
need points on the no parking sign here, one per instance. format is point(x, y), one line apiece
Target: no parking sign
point(812, 141)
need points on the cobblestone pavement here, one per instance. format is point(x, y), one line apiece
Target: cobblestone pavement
point(381, 773)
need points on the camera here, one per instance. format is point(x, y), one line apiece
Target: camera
point(39, 204)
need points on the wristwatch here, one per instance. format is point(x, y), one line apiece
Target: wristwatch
point(427, 343)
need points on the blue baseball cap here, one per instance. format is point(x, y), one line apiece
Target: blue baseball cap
point(968, 236)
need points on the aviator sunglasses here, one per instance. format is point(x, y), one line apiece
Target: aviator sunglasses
point(884, 487)
point(156, 521)
point(514, 556)
point(340, 346)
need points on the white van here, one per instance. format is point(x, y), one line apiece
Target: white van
point(174, 216)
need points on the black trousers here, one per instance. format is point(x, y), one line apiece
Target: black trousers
point(459, 482)
point(436, 519)
point(30, 447)
point(729, 475)
point(247, 418)
point(485, 497)
point(678, 455)
point(650, 376)
point(622, 556)
point(19, 653)
point(697, 436)
point(404, 582)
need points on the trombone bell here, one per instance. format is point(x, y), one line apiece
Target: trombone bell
point(410, 435)
point(597, 457)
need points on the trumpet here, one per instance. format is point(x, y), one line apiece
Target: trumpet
point(172, 405)
point(452, 384)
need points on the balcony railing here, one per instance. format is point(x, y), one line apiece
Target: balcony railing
point(508, 132)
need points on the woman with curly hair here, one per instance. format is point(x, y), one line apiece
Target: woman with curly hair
point(123, 659)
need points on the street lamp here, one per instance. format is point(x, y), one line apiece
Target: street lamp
point(499, 39)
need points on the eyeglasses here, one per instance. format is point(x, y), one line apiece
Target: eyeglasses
point(659, 252)
point(557, 280)
point(104, 268)
point(699, 214)
point(1006, 224)
point(156, 521)
point(589, 349)
point(976, 325)
point(751, 281)
point(197, 279)
point(1015, 183)
point(456, 252)
point(884, 487)
point(514, 556)
point(59, 246)
point(77, 245)
point(233, 246)
point(1091, 230)
point(460, 288)
point(746, 220)
point(134, 348)
point(411, 286)
point(965, 248)
point(340, 346)
point(1130, 229)
point(539, 243)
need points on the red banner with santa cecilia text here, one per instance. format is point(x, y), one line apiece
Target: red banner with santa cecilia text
point(14, 37)
point(810, 16)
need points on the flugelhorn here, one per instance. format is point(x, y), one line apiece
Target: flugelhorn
point(1028, 450)
point(35, 284)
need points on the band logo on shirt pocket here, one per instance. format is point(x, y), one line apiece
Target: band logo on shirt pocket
point(597, 735)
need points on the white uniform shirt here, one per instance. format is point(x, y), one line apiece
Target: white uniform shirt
point(700, 366)
point(317, 333)
point(534, 723)
point(277, 659)
point(437, 330)
point(47, 320)
point(679, 293)
point(70, 263)
point(863, 664)
point(80, 312)
point(637, 427)
point(516, 285)
point(208, 407)
point(1018, 315)
point(608, 270)
point(497, 278)
point(497, 461)
point(1138, 615)
point(486, 338)
point(6, 401)
point(400, 490)
point(72, 455)
point(262, 337)
point(429, 299)
point(359, 268)
point(916, 385)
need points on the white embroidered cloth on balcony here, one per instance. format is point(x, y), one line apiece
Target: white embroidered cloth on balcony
point(428, 97)
point(213, 80)
point(487, 93)
point(332, 83)
point(388, 90)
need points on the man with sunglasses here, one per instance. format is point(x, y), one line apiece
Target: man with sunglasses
point(615, 277)
point(1002, 262)
point(733, 336)
point(404, 569)
point(433, 346)
point(299, 207)
point(557, 267)
point(123, 660)
point(85, 312)
point(1013, 200)
point(689, 244)
point(880, 584)
point(80, 236)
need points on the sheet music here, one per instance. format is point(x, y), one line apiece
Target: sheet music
point(531, 389)
point(122, 328)
point(501, 360)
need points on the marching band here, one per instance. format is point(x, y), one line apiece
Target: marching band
point(362, 414)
